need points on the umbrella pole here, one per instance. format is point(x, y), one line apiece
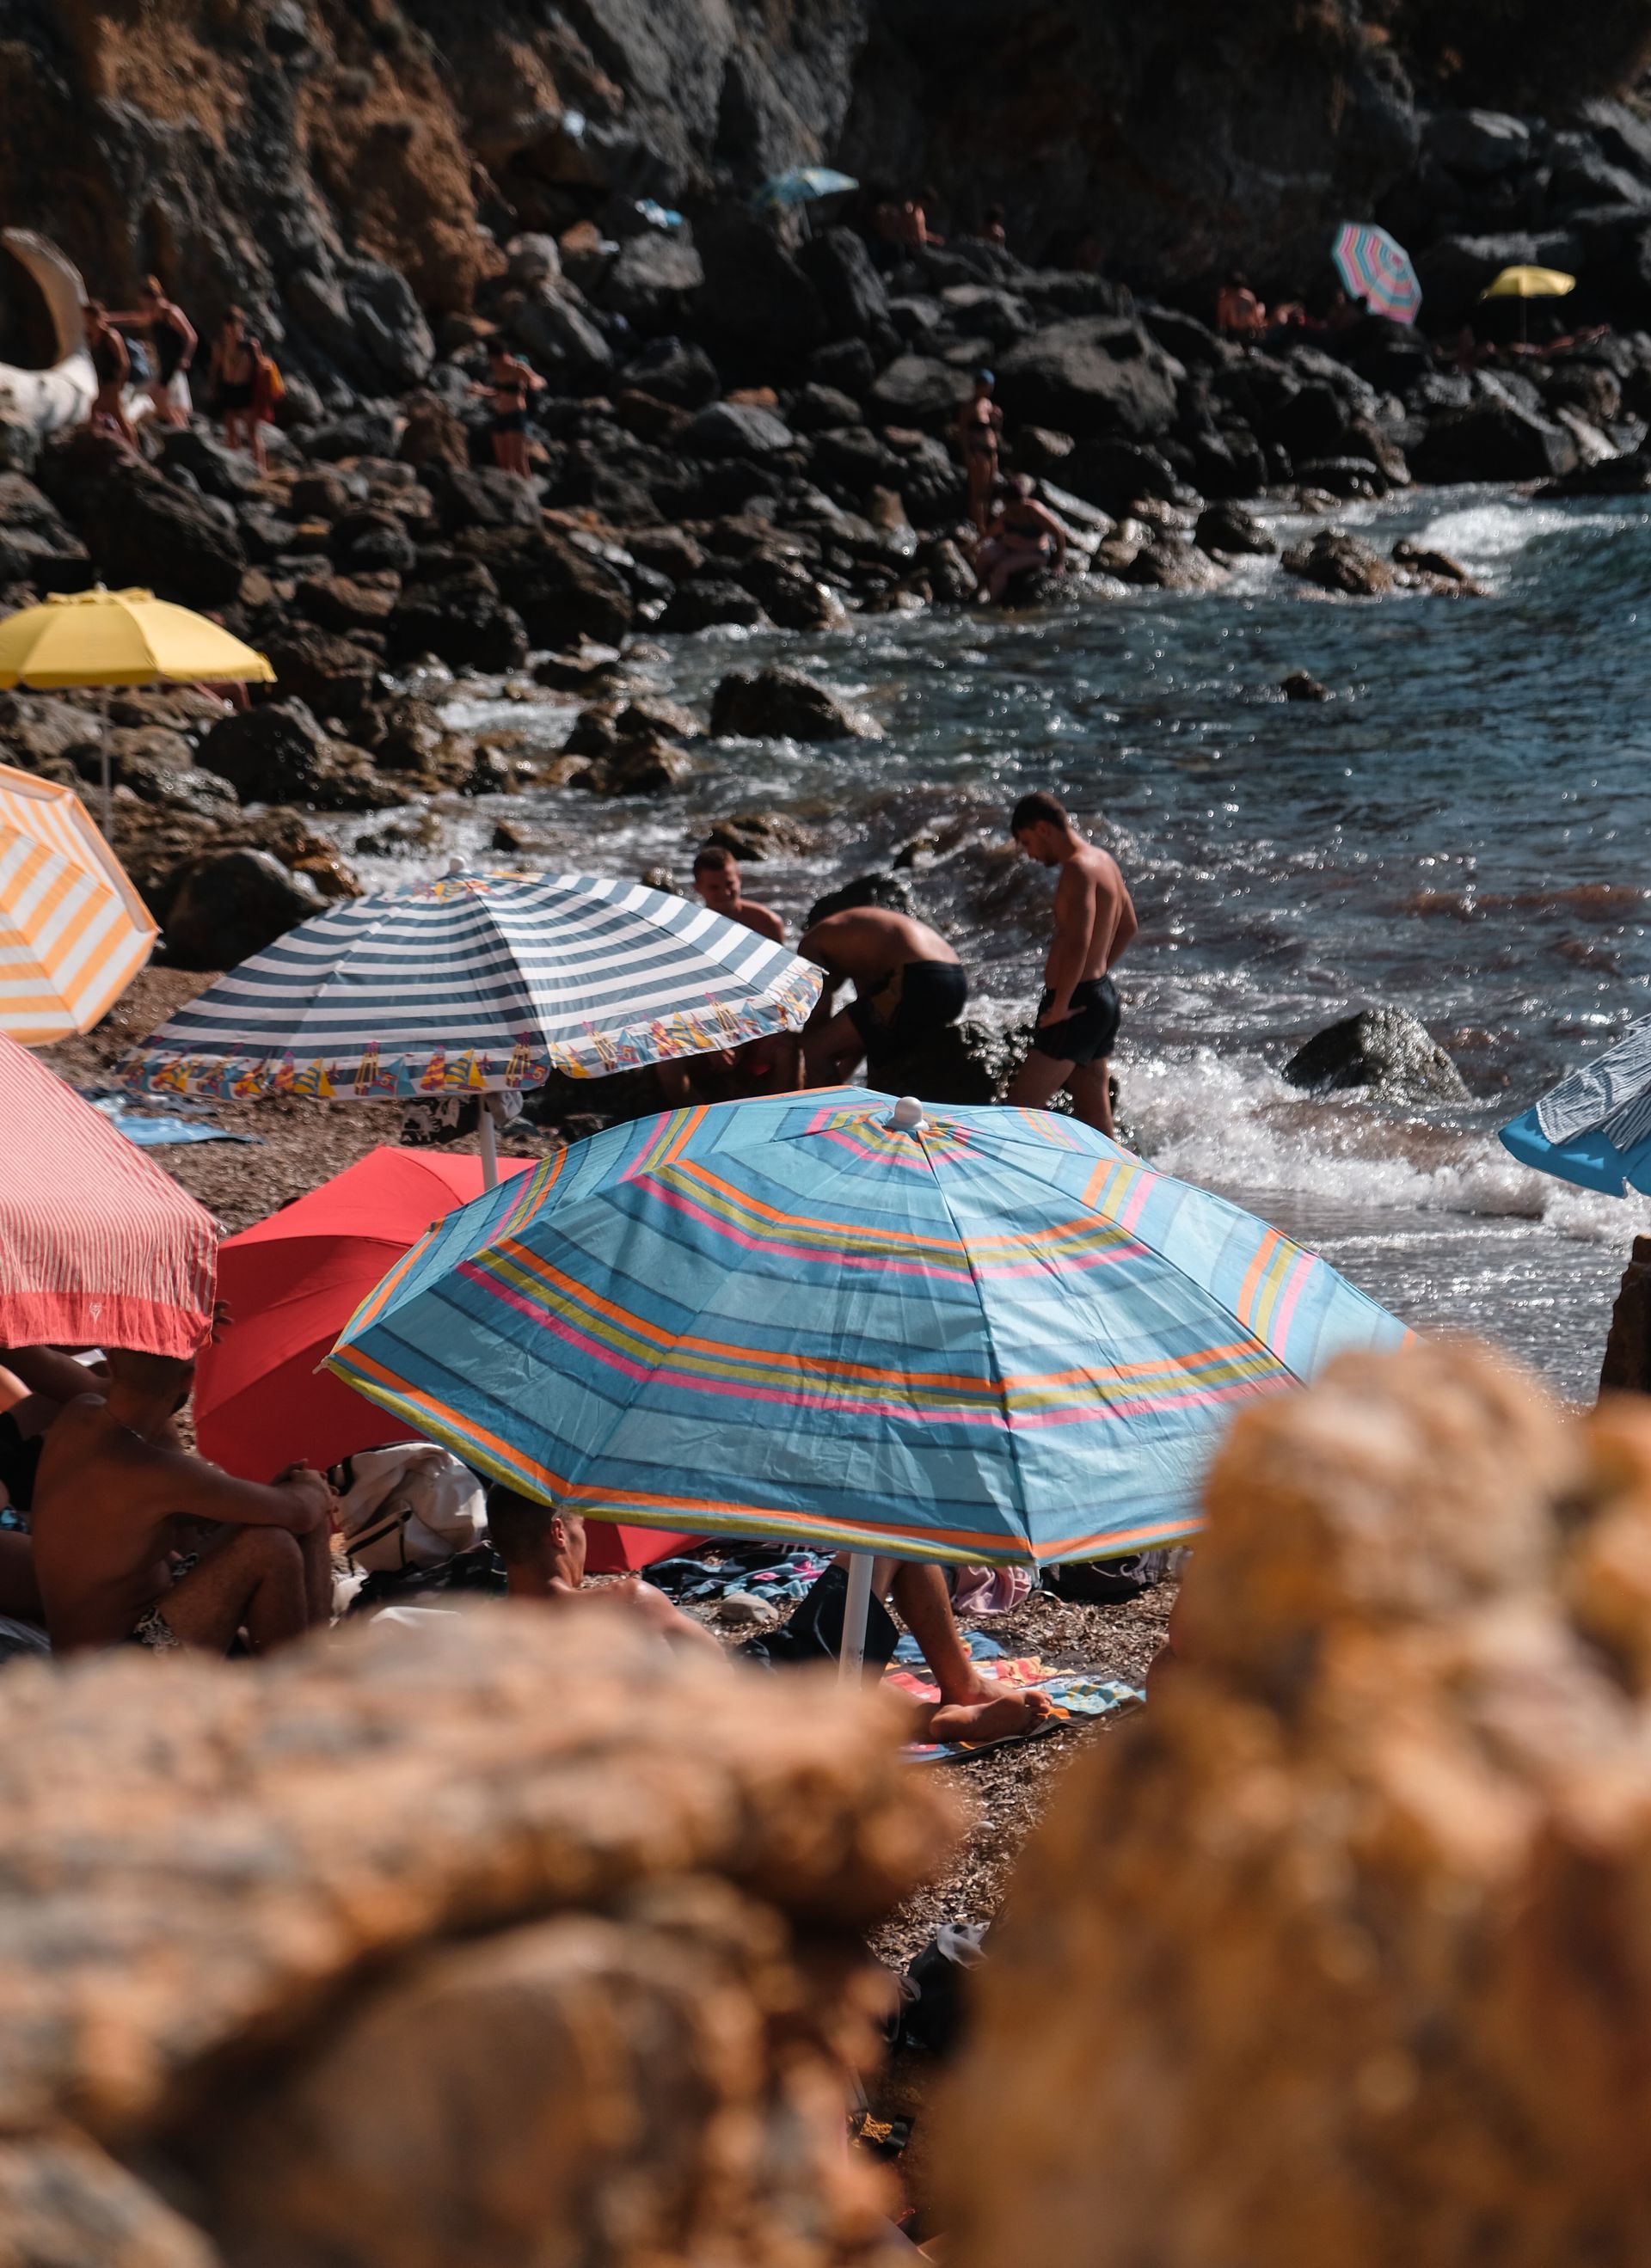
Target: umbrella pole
point(851, 1659)
point(490, 1144)
point(108, 792)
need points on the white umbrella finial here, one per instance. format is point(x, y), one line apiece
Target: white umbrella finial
point(907, 1115)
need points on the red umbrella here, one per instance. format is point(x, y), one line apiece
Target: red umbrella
point(290, 1283)
point(98, 1246)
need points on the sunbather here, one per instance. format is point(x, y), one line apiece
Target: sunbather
point(112, 1500)
point(544, 1552)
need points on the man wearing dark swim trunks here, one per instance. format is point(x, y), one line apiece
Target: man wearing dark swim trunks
point(1077, 1015)
point(907, 984)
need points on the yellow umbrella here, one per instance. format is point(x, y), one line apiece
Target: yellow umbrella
point(1529, 284)
point(73, 931)
point(120, 637)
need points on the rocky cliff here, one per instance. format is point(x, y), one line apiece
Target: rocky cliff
point(342, 164)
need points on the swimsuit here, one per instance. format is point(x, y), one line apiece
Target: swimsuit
point(19, 1462)
point(1089, 1032)
point(510, 420)
point(106, 362)
point(909, 1006)
point(168, 349)
point(153, 1632)
point(234, 393)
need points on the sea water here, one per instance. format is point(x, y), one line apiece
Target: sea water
point(1460, 830)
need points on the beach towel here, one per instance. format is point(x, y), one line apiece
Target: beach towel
point(1071, 1693)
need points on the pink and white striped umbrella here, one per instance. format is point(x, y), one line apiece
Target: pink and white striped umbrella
point(98, 1246)
point(1377, 270)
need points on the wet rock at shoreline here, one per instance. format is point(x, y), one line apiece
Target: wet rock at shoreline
point(1301, 685)
point(755, 835)
point(780, 704)
point(278, 753)
point(1385, 1049)
point(1343, 563)
point(1228, 531)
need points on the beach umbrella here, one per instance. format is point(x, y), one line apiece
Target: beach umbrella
point(802, 185)
point(1522, 284)
point(120, 637)
point(1377, 270)
point(288, 1285)
point(98, 1246)
point(474, 985)
point(948, 1334)
point(1593, 1128)
point(73, 931)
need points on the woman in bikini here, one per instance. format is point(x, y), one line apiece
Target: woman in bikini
point(111, 366)
point(236, 356)
point(979, 432)
point(1021, 539)
point(510, 383)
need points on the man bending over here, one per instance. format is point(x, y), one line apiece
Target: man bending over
point(111, 1499)
point(907, 984)
point(1077, 1015)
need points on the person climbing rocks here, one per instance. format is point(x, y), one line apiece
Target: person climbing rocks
point(978, 432)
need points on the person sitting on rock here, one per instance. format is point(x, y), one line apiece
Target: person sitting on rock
point(971, 1707)
point(907, 984)
point(719, 882)
point(1021, 540)
point(112, 1496)
point(111, 366)
point(978, 432)
point(543, 1549)
point(1239, 313)
point(509, 382)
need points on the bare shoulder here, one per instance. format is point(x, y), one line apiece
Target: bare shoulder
point(764, 921)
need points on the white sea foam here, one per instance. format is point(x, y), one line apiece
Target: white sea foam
point(1483, 535)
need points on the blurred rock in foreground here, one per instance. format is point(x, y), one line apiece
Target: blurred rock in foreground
point(502, 1943)
point(1344, 1952)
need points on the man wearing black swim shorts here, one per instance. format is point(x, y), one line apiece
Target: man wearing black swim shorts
point(1077, 1015)
point(907, 984)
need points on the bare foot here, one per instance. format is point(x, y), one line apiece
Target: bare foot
point(1001, 1718)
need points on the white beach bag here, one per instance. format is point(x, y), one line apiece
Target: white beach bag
point(411, 1505)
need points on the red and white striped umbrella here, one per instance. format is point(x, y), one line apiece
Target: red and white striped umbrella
point(98, 1246)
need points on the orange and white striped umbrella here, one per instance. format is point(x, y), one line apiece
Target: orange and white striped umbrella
point(73, 931)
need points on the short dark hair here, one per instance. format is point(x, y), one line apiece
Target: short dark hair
point(1032, 810)
point(713, 856)
point(519, 1526)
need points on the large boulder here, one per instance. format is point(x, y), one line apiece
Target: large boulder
point(756, 301)
point(1385, 1049)
point(460, 617)
point(329, 673)
point(736, 429)
point(564, 337)
point(674, 370)
point(918, 390)
point(1294, 1970)
point(652, 282)
point(1477, 144)
point(562, 589)
point(366, 318)
point(373, 541)
point(779, 703)
point(489, 1949)
point(1096, 375)
point(480, 495)
point(1497, 439)
point(706, 600)
point(1344, 564)
point(1228, 531)
point(36, 544)
point(276, 753)
point(215, 468)
point(231, 904)
point(852, 293)
point(144, 529)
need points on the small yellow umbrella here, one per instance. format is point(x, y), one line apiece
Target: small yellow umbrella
point(73, 931)
point(1522, 284)
point(120, 637)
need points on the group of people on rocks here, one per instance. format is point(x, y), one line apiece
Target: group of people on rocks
point(114, 1533)
point(153, 347)
point(909, 985)
point(1014, 535)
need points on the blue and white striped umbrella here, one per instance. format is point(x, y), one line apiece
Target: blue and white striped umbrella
point(801, 186)
point(1594, 1128)
point(478, 982)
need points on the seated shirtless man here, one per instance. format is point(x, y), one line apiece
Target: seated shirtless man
point(111, 1499)
point(544, 1552)
point(907, 983)
point(1078, 1016)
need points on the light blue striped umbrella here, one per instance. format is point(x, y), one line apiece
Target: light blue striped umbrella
point(1594, 1128)
point(1378, 270)
point(983, 1334)
point(477, 983)
point(803, 185)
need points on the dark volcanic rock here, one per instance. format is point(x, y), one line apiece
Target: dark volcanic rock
point(755, 299)
point(1095, 376)
point(233, 903)
point(480, 495)
point(736, 429)
point(779, 703)
point(1229, 529)
point(919, 390)
point(370, 542)
point(652, 283)
point(1341, 563)
point(1300, 685)
point(143, 529)
point(852, 293)
point(708, 599)
point(1169, 563)
point(460, 618)
point(562, 591)
point(674, 370)
point(1496, 439)
point(1385, 1048)
point(36, 545)
point(328, 673)
point(278, 753)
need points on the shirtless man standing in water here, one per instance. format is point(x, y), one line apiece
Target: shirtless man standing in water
point(1078, 1016)
point(110, 1498)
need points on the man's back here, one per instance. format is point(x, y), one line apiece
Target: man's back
point(101, 1527)
point(870, 942)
